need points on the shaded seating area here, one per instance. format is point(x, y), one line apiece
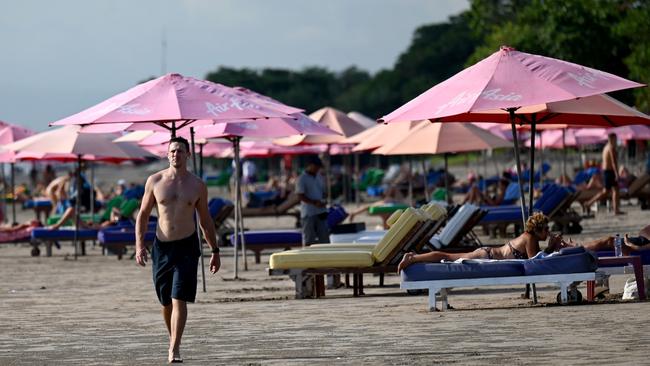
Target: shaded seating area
point(564, 268)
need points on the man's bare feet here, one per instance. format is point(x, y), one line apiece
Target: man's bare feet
point(174, 357)
point(406, 261)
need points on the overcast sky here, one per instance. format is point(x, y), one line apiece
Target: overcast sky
point(60, 57)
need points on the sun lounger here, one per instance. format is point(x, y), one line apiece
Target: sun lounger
point(305, 265)
point(22, 235)
point(257, 241)
point(50, 237)
point(568, 266)
point(117, 240)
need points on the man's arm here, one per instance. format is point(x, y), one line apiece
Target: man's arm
point(301, 189)
point(207, 227)
point(142, 221)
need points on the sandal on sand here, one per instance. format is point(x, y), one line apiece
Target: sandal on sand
point(176, 359)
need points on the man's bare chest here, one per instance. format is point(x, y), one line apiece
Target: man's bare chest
point(175, 194)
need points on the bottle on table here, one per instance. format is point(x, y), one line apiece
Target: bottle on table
point(618, 245)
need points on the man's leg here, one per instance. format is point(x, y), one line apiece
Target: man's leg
point(68, 214)
point(167, 316)
point(177, 326)
point(308, 230)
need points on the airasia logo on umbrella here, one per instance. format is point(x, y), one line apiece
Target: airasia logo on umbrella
point(587, 79)
point(465, 97)
point(234, 103)
point(133, 109)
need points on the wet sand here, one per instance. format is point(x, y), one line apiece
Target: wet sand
point(99, 311)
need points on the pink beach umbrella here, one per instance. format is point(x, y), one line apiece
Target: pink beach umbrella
point(10, 133)
point(507, 80)
point(173, 101)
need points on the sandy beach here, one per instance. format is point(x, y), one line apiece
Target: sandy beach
point(98, 310)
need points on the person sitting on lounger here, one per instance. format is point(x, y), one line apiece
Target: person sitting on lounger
point(392, 195)
point(524, 246)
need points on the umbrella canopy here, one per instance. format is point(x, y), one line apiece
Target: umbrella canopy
point(385, 134)
point(8, 134)
point(632, 132)
point(332, 119)
point(68, 140)
point(438, 138)
point(362, 119)
point(299, 124)
point(572, 137)
point(508, 79)
point(173, 97)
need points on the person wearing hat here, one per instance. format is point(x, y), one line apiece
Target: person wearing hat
point(313, 209)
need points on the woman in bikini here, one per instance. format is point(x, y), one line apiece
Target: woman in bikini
point(524, 246)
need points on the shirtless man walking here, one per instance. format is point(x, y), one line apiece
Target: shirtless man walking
point(177, 194)
point(610, 176)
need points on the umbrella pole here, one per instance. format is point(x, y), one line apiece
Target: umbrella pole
point(235, 145)
point(328, 175)
point(4, 192)
point(518, 167)
point(201, 160)
point(13, 193)
point(564, 152)
point(92, 192)
point(92, 195)
point(447, 193)
point(239, 206)
point(531, 177)
point(173, 130)
point(357, 198)
point(424, 175)
point(77, 207)
point(410, 182)
point(196, 221)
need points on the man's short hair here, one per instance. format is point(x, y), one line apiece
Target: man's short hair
point(181, 141)
point(611, 135)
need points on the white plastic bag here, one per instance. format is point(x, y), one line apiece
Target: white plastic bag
point(630, 291)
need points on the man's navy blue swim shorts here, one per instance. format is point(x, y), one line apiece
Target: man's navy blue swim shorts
point(174, 268)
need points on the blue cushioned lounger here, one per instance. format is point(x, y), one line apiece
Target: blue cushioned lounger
point(51, 237)
point(564, 268)
point(117, 240)
point(269, 239)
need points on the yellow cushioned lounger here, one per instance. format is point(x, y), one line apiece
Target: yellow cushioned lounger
point(323, 258)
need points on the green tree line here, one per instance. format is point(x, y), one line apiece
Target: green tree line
point(610, 35)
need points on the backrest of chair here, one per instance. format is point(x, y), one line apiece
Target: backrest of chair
point(456, 223)
point(407, 220)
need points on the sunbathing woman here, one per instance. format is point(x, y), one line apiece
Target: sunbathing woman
point(524, 246)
